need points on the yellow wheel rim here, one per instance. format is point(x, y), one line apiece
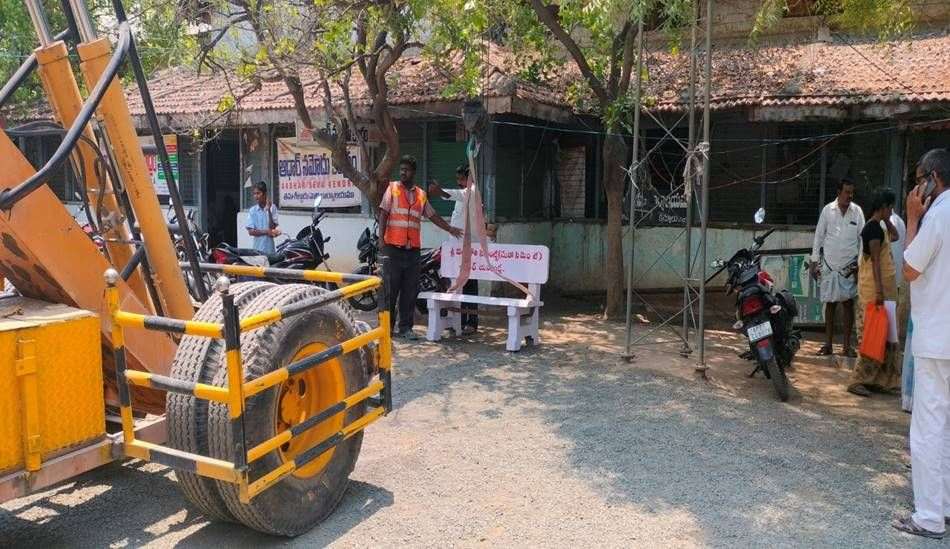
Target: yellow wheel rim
point(305, 395)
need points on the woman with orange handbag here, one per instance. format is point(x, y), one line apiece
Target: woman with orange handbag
point(877, 282)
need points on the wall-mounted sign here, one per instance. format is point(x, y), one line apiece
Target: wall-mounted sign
point(155, 170)
point(304, 171)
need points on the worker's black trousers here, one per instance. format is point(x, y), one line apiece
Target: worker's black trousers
point(401, 280)
point(470, 319)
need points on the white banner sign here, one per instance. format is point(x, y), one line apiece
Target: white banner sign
point(519, 262)
point(305, 171)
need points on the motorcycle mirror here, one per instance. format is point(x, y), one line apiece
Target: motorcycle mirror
point(317, 201)
point(759, 216)
point(77, 196)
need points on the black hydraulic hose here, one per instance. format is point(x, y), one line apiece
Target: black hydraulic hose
point(9, 197)
point(25, 69)
point(124, 203)
point(191, 252)
point(133, 263)
point(42, 128)
point(72, 30)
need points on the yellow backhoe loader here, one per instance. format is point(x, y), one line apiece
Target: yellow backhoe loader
point(257, 396)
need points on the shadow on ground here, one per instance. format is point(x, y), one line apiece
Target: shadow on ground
point(716, 461)
point(723, 451)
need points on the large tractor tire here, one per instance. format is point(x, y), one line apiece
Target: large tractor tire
point(186, 415)
point(302, 500)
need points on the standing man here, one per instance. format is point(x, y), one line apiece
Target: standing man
point(834, 258)
point(927, 268)
point(262, 220)
point(400, 225)
point(469, 319)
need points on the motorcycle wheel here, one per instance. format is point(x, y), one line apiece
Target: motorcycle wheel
point(779, 379)
point(364, 302)
point(436, 285)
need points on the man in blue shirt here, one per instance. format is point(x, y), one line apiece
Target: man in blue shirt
point(262, 220)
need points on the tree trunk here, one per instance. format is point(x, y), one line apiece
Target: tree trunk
point(615, 159)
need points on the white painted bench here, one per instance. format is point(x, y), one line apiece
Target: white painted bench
point(525, 264)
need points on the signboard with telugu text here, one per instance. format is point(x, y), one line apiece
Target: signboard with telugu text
point(519, 262)
point(305, 171)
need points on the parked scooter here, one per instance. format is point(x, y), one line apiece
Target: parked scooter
point(306, 251)
point(429, 279)
point(765, 315)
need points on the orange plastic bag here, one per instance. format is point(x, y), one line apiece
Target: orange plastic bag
point(874, 339)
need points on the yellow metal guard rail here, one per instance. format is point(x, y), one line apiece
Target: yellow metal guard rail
point(234, 394)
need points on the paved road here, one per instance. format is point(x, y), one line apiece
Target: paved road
point(564, 445)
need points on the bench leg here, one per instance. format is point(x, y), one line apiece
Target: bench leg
point(454, 319)
point(434, 329)
point(514, 330)
point(534, 326)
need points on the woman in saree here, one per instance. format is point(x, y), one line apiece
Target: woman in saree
point(877, 283)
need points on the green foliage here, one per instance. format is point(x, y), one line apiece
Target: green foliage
point(885, 18)
point(162, 42)
point(17, 43)
point(888, 18)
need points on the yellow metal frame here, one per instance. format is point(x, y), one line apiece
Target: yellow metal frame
point(234, 394)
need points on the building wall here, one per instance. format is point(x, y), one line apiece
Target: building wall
point(736, 19)
point(577, 249)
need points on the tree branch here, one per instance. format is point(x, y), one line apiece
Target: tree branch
point(351, 116)
point(550, 20)
point(337, 144)
point(628, 62)
point(222, 32)
point(615, 63)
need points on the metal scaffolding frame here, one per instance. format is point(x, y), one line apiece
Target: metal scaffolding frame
point(695, 189)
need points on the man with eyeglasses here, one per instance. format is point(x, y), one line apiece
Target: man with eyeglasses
point(927, 267)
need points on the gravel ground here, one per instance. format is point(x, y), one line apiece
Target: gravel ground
point(561, 445)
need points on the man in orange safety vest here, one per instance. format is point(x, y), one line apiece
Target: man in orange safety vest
point(401, 210)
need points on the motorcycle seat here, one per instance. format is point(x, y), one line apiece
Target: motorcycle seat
point(251, 252)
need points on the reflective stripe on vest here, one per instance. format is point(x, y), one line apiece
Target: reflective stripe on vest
point(404, 226)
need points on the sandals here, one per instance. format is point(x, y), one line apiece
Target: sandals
point(907, 525)
point(859, 389)
point(825, 351)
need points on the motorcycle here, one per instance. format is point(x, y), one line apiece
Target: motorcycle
point(305, 251)
point(764, 314)
point(200, 241)
point(429, 279)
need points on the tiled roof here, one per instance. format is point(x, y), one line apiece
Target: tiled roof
point(818, 74)
point(413, 80)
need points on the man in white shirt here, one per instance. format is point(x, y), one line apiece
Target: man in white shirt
point(834, 259)
point(262, 220)
point(469, 320)
point(927, 268)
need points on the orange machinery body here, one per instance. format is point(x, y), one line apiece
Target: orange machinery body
point(47, 256)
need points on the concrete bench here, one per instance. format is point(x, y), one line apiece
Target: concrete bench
point(525, 264)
